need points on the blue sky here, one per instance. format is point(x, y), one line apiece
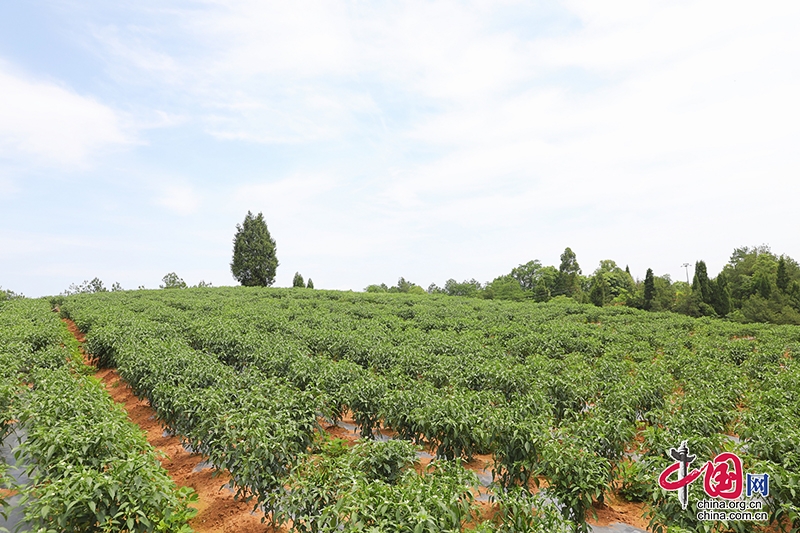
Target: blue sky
point(423, 139)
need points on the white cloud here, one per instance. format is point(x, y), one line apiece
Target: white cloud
point(45, 123)
point(299, 72)
point(418, 132)
point(180, 199)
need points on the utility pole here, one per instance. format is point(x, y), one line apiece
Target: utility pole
point(686, 266)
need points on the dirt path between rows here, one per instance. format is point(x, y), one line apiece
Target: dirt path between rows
point(218, 512)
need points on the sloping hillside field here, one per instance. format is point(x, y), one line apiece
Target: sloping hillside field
point(572, 405)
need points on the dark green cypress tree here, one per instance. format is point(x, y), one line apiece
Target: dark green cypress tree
point(310, 284)
point(701, 285)
point(298, 281)
point(722, 295)
point(254, 260)
point(649, 289)
point(782, 280)
point(762, 285)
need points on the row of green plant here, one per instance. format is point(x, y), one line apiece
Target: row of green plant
point(555, 390)
point(252, 426)
point(90, 468)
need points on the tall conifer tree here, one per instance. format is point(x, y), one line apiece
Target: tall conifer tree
point(254, 260)
point(782, 280)
point(649, 289)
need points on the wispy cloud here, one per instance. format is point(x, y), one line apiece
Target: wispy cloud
point(49, 124)
point(180, 199)
point(411, 135)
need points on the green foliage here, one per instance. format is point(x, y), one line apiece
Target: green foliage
point(172, 281)
point(87, 287)
point(527, 275)
point(254, 261)
point(517, 440)
point(522, 512)
point(385, 461)
point(552, 391)
point(90, 468)
point(364, 396)
point(310, 284)
point(761, 286)
point(505, 288)
point(636, 482)
point(649, 290)
point(330, 494)
point(722, 295)
point(599, 294)
point(575, 476)
point(610, 282)
point(403, 286)
point(569, 274)
point(298, 281)
point(456, 425)
point(440, 500)
point(782, 275)
point(6, 294)
point(471, 288)
point(701, 285)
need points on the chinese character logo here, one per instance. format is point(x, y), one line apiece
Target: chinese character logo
point(758, 484)
point(723, 476)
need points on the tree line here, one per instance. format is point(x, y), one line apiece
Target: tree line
point(756, 285)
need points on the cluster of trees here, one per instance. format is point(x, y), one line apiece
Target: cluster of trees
point(755, 286)
point(173, 281)
point(402, 286)
point(169, 281)
point(87, 287)
point(6, 294)
point(255, 261)
point(298, 283)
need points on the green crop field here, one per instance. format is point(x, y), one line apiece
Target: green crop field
point(573, 403)
point(90, 469)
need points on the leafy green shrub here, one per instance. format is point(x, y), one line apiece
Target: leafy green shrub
point(517, 448)
point(91, 467)
point(575, 477)
point(440, 500)
point(522, 512)
point(124, 496)
point(364, 397)
point(172, 281)
point(635, 482)
point(458, 423)
point(384, 461)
